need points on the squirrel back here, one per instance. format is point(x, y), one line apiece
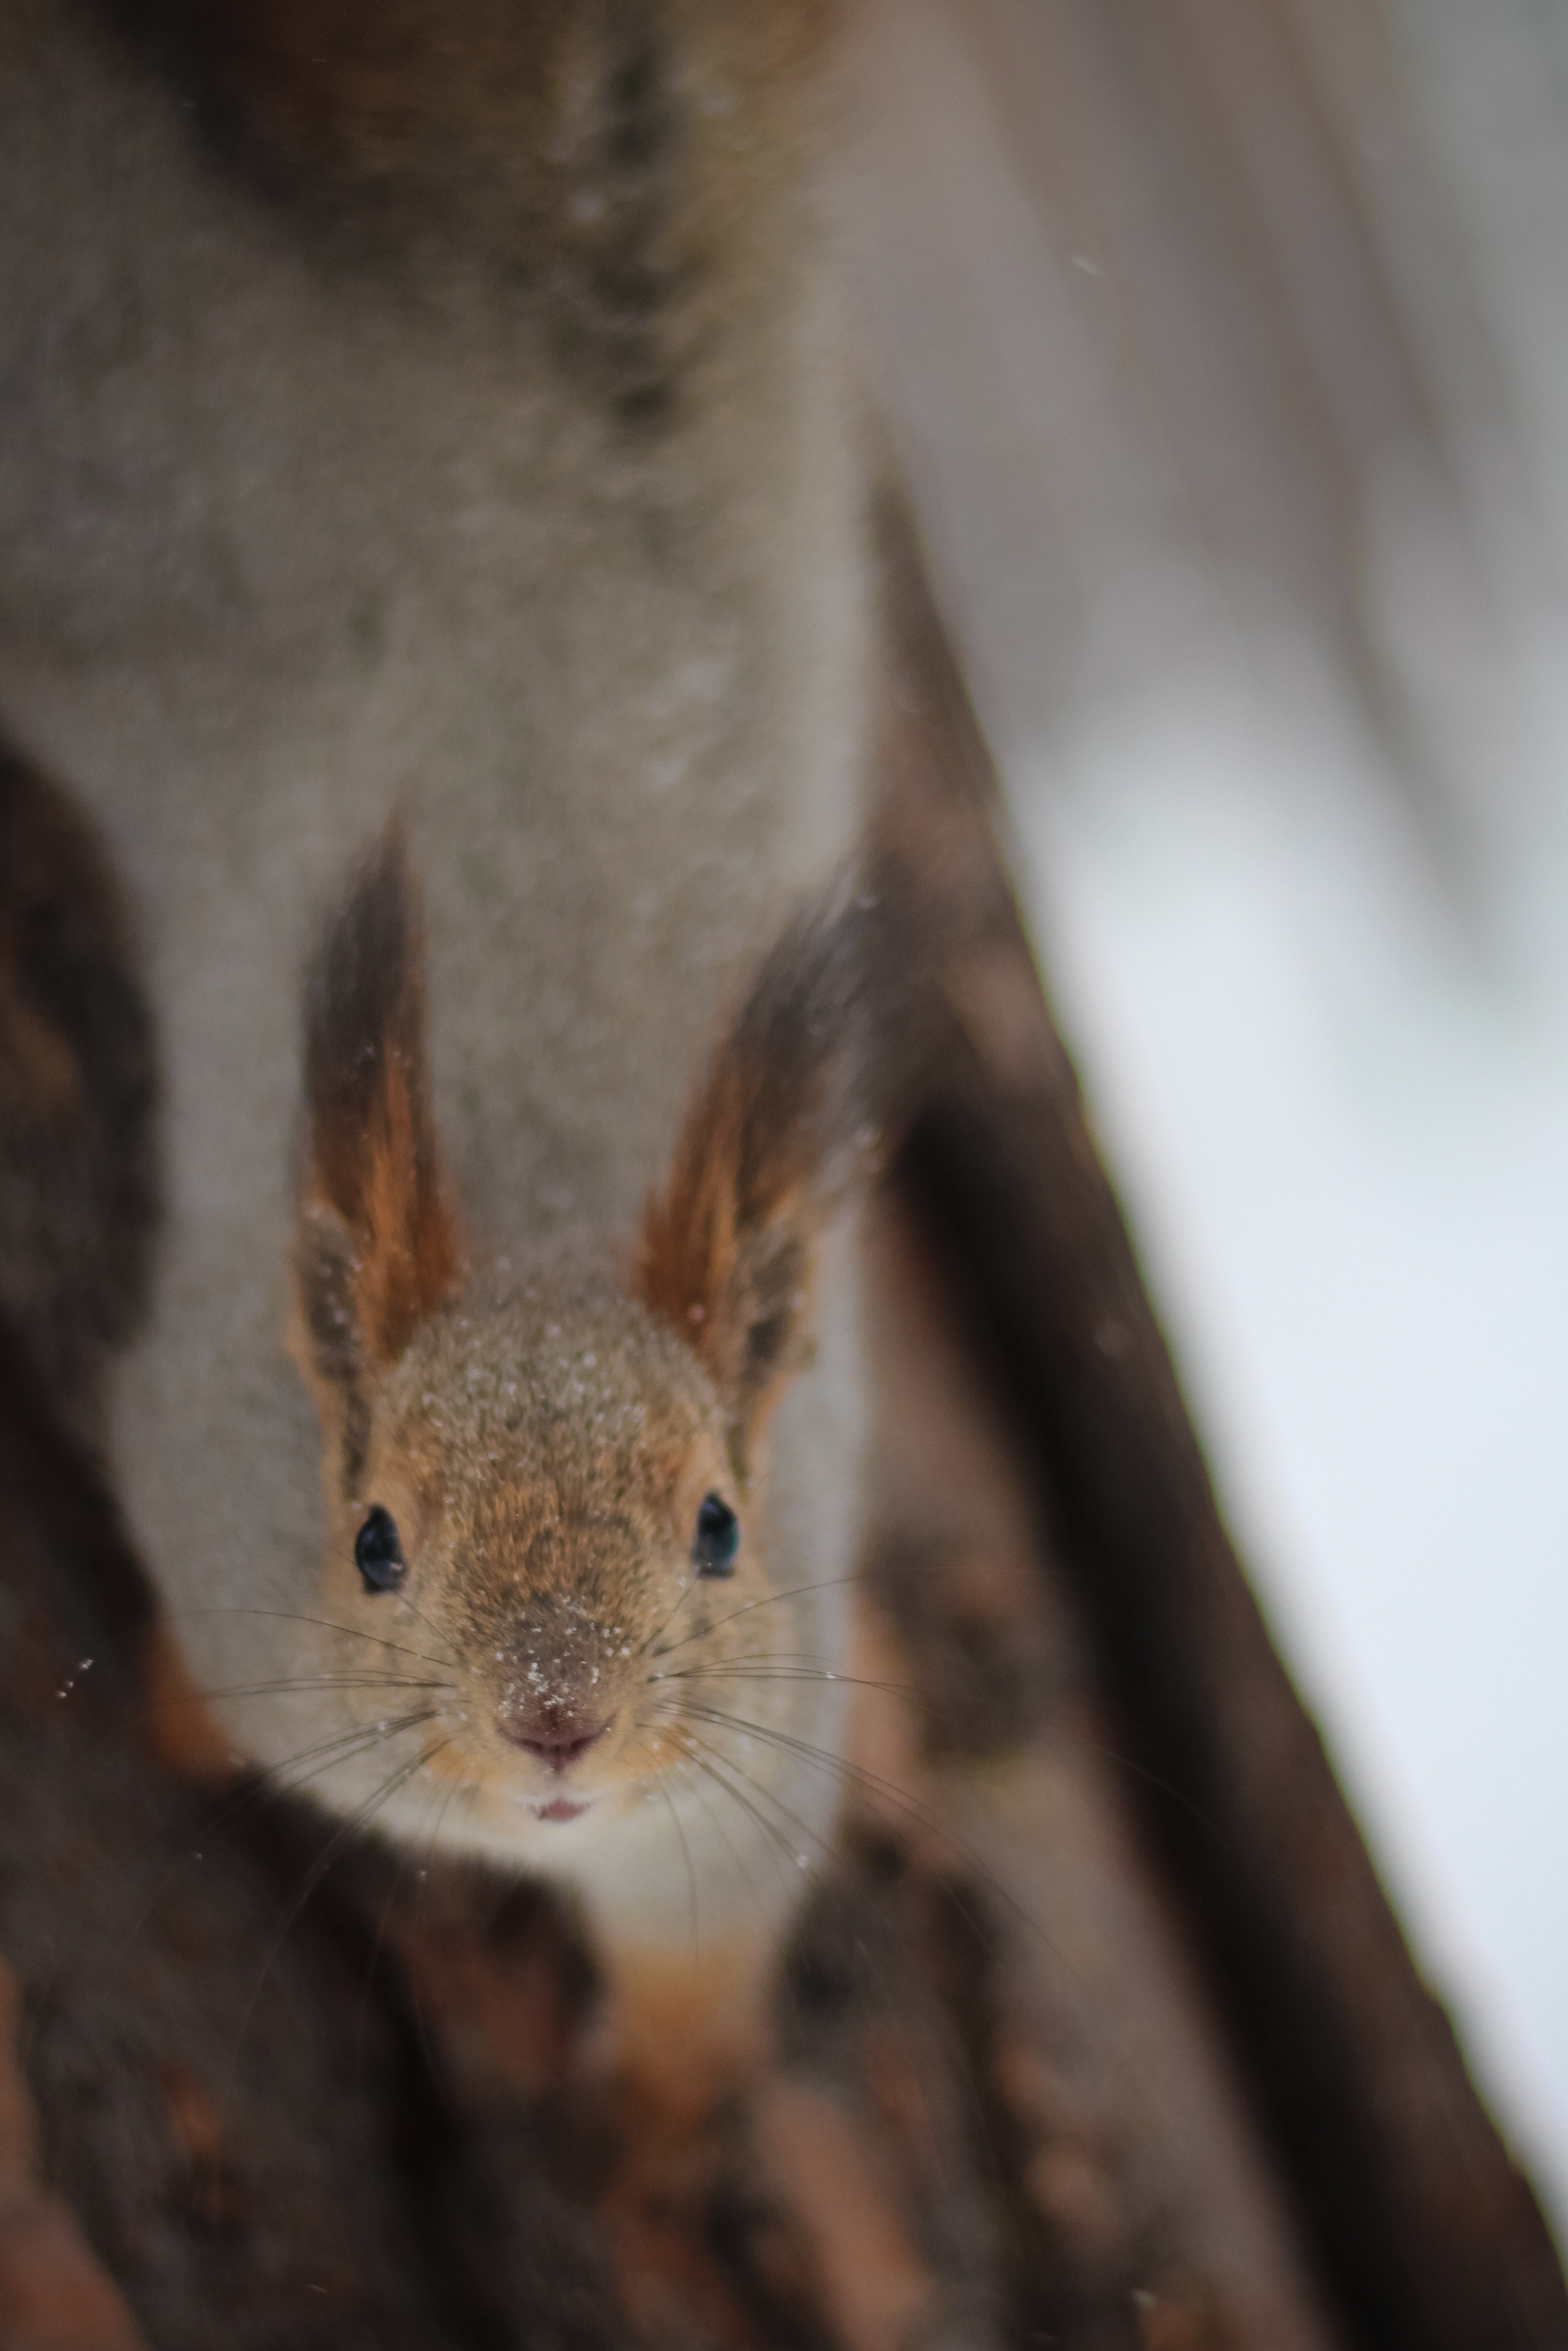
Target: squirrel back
point(374, 430)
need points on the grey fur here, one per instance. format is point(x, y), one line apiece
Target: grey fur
point(311, 501)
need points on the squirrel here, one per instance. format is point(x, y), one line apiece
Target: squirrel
point(453, 407)
point(592, 1512)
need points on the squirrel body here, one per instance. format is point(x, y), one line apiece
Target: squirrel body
point(503, 467)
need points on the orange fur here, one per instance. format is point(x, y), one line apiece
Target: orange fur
point(704, 1254)
point(378, 1246)
point(410, 1258)
point(727, 1252)
point(690, 1238)
point(686, 2024)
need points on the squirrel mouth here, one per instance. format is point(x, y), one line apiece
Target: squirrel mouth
point(561, 1808)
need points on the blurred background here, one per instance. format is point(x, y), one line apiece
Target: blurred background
point(1226, 346)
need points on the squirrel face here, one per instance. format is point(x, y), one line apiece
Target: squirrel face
point(546, 1501)
point(541, 1483)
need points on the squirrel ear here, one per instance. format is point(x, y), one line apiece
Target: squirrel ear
point(376, 1244)
point(772, 1140)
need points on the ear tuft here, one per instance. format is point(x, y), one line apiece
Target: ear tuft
point(377, 1248)
point(775, 1135)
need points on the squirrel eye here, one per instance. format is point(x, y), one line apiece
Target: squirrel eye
point(718, 1538)
point(378, 1553)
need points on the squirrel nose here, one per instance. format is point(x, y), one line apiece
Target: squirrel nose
point(555, 1734)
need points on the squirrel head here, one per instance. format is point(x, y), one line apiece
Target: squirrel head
point(540, 1476)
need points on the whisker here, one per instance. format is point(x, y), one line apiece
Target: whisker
point(675, 1823)
point(697, 1749)
point(686, 1855)
point(768, 1599)
point(795, 1667)
point(943, 2023)
point(794, 1670)
point(257, 1788)
point(326, 1624)
point(855, 1775)
point(269, 1782)
point(296, 1681)
point(342, 1747)
point(786, 1987)
point(688, 1745)
point(282, 1687)
point(793, 1859)
point(689, 1593)
point(760, 1657)
point(791, 1852)
point(403, 1601)
point(826, 1844)
point(748, 1672)
point(378, 1940)
point(1166, 1787)
point(685, 1739)
point(319, 1869)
